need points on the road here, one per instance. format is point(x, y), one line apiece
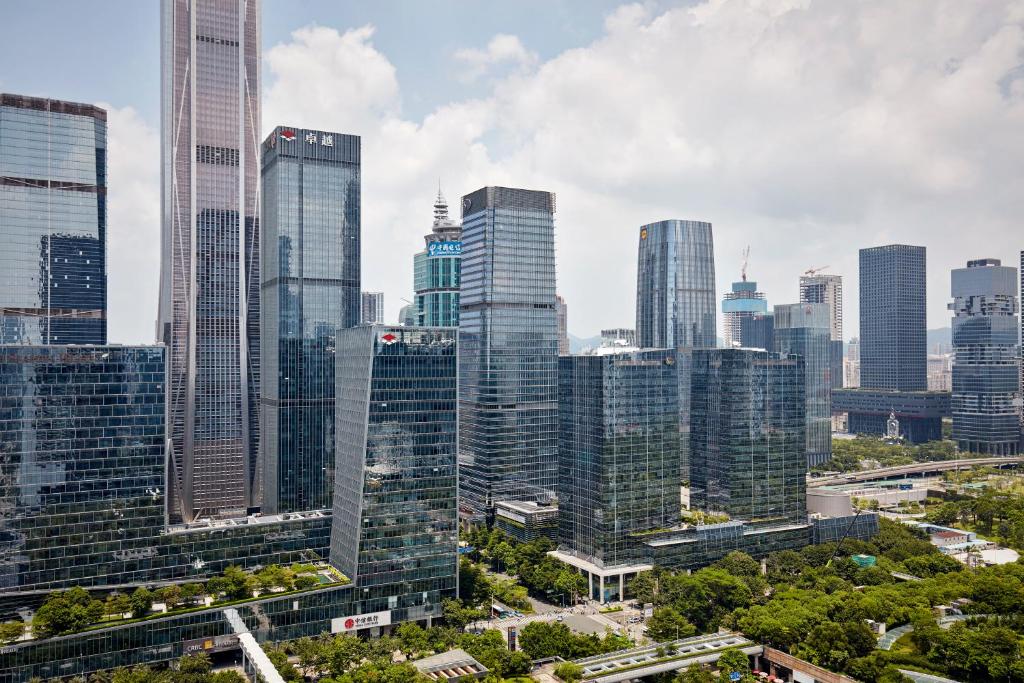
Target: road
point(916, 468)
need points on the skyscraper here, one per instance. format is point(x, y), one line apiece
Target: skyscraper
point(372, 308)
point(53, 222)
point(675, 290)
point(757, 331)
point(618, 451)
point(803, 330)
point(986, 361)
point(828, 289)
point(310, 289)
point(893, 304)
point(563, 326)
point(508, 343)
point(209, 280)
point(744, 301)
point(747, 432)
point(436, 270)
point(395, 526)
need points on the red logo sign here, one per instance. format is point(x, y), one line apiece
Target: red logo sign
point(288, 135)
point(389, 338)
point(349, 623)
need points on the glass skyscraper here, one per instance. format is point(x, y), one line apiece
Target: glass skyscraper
point(53, 222)
point(508, 342)
point(986, 364)
point(803, 330)
point(828, 289)
point(618, 451)
point(82, 439)
point(893, 307)
point(757, 331)
point(310, 289)
point(395, 527)
point(209, 281)
point(675, 290)
point(748, 435)
point(372, 308)
point(436, 270)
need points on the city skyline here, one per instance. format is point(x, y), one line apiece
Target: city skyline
point(462, 134)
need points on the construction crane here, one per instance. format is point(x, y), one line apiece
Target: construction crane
point(814, 271)
point(746, 262)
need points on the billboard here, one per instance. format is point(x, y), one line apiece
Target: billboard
point(444, 249)
point(358, 621)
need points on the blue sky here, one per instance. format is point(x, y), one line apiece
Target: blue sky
point(806, 129)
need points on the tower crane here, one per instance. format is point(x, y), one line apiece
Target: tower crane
point(815, 271)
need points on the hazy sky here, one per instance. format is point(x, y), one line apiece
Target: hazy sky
point(804, 128)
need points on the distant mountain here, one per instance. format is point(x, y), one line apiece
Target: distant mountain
point(577, 344)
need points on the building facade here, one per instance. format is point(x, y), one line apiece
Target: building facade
point(395, 526)
point(436, 271)
point(618, 451)
point(508, 342)
point(919, 413)
point(209, 315)
point(986, 361)
point(563, 326)
point(748, 436)
point(743, 301)
point(310, 289)
point(623, 336)
point(803, 330)
point(828, 289)
point(372, 308)
point(82, 432)
point(893, 305)
point(53, 222)
point(757, 331)
point(675, 291)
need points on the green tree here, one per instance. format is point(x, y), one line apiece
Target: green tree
point(734, 661)
point(668, 624)
point(279, 658)
point(275, 576)
point(572, 584)
point(192, 669)
point(458, 615)
point(695, 673)
point(643, 587)
point(141, 601)
point(311, 654)
point(306, 581)
point(66, 612)
point(412, 639)
point(342, 652)
point(474, 588)
point(10, 631)
point(117, 604)
point(569, 672)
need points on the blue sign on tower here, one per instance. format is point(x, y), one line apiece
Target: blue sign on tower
point(444, 249)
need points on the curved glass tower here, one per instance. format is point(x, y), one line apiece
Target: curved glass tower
point(675, 285)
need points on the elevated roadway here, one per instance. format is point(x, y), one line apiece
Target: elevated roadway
point(917, 468)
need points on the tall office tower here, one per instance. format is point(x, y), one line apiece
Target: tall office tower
point(508, 339)
point(407, 315)
point(675, 301)
point(395, 526)
point(675, 286)
point(618, 335)
point(618, 451)
point(209, 279)
point(986, 364)
point(563, 326)
point(743, 301)
point(851, 365)
point(82, 433)
point(893, 305)
point(748, 435)
point(828, 289)
point(804, 330)
point(436, 270)
point(53, 222)
point(309, 289)
point(893, 349)
point(372, 308)
point(757, 331)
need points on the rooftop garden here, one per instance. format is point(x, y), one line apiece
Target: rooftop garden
point(76, 610)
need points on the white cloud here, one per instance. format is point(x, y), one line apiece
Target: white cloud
point(806, 128)
point(133, 227)
point(502, 50)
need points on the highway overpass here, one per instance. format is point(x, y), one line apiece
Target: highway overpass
point(917, 468)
